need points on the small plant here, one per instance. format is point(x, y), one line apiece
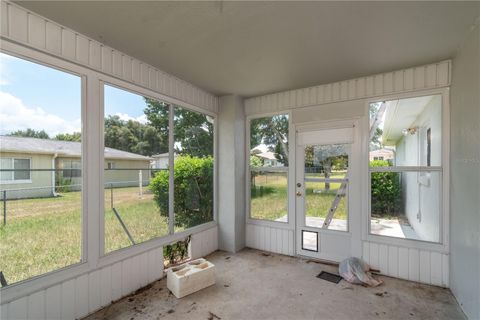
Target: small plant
point(63, 184)
point(176, 252)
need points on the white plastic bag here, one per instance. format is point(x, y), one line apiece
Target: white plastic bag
point(354, 270)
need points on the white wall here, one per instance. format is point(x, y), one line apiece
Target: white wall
point(421, 190)
point(465, 175)
point(231, 164)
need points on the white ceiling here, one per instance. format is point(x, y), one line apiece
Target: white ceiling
point(253, 48)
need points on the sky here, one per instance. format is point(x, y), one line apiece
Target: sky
point(42, 98)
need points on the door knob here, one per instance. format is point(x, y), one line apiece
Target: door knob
point(299, 194)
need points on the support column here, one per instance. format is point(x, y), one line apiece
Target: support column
point(231, 174)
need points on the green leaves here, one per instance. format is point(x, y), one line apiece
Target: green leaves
point(193, 200)
point(386, 190)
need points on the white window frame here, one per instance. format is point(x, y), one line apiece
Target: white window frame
point(18, 181)
point(290, 173)
point(122, 253)
point(443, 245)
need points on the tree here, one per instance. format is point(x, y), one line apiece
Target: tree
point(325, 157)
point(76, 136)
point(273, 132)
point(30, 133)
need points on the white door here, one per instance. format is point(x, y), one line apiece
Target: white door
point(323, 178)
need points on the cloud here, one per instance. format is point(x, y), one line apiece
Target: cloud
point(125, 117)
point(15, 115)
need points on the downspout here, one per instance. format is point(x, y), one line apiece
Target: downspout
point(53, 174)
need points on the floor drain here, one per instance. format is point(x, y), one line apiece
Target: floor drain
point(329, 277)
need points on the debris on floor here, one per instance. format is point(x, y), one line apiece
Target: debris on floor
point(212, 316)
point(356, 271)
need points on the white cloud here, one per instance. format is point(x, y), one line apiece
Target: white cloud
point(15, 115)
point(125, 117)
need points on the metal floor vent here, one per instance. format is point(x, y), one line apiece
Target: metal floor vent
point(329, 277)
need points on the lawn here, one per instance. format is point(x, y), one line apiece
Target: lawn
point(42, 235)
point(269, 197)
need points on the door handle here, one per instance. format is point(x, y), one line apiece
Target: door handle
point(299, 194)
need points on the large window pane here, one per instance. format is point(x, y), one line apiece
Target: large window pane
point(40, 122)
point(406, 132)
point(194, 173)
point(269, 168)
point(406, 205)
point(136, 133)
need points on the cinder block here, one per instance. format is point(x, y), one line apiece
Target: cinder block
point(190, 277)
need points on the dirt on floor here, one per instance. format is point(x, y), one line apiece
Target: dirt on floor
point(257, 285)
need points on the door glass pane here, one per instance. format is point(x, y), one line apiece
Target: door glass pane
point(326, 186)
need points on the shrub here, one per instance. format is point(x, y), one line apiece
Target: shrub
point(193, 200)
point(176, 252)
point(385, 190)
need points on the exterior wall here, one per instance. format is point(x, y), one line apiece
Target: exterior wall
point(127, 178)
point(465, 176)
point(41, 183)
point(421, 190)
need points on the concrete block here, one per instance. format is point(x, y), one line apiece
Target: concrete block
point(190, 277)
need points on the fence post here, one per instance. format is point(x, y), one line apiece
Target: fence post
point(4, 207)
point(111, 195)
point(140, 183)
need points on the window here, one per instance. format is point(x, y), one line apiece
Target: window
point(16, 170)
point(136, 197)
point(406, 190)
point(40, 127)
point(193, 168)
point(269, 168)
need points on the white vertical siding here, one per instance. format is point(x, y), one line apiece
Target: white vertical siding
point(78, 297)
point(431, 76)
point(35, 31)
point(267, 238)
point(407, 263)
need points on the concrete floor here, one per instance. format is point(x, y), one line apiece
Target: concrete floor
point(256, 285)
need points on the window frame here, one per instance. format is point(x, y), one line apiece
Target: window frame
point(107, 258)
point(18, 181)
point(443, 245)
point(290, 172)
point(33, 283)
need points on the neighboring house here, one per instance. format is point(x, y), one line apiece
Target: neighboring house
point(60, 165)
point(416, 137)
point(160, 161)
point(268, 157)
point(382, 154)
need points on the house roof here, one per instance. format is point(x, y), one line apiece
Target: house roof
point(402, 114)
point(61, 148)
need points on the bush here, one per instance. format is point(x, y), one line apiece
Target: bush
point(193, 200)
point(176, 252)
point(385, 190)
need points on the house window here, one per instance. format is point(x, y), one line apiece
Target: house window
point(72, 169)
point(110, 165)
point(40, 122)
point(406, 192)
point(16, 170)
point(269, 168)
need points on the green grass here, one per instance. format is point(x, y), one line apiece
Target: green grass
point(269, 197)
point(43, 235)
